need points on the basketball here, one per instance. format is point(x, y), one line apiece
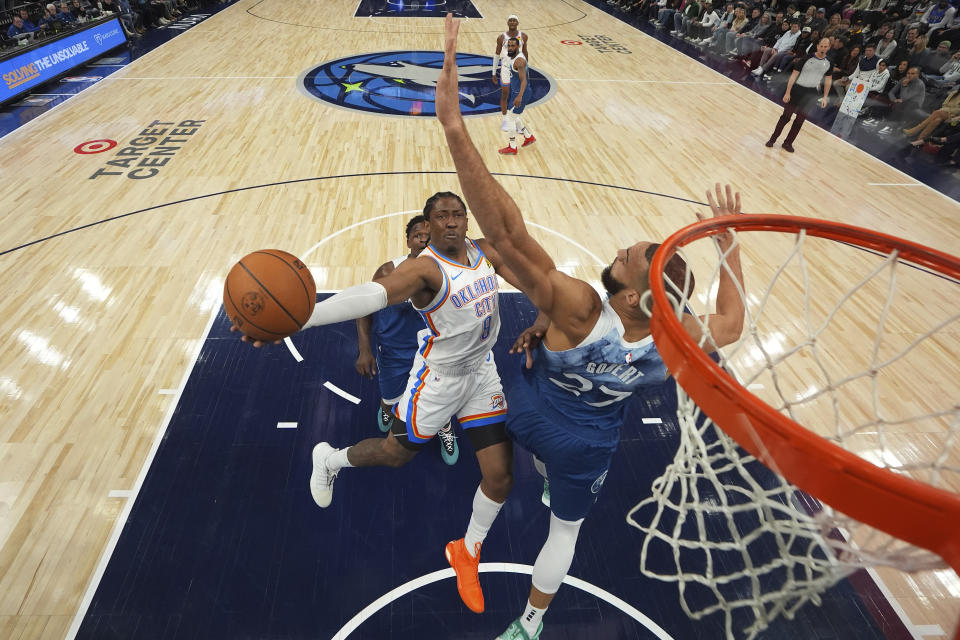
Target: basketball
point(269, 294)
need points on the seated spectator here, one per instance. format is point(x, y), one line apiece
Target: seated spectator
point(818, 23)
point(939, 15)
point(50, 21)
point(732, 36)
point(949, 109)
point(697, 29)
point(933, 60)
point(19, 26)
point(746, 43)
point(949, 73)
point(738, 21)
point(844, 68)
point(783, 44)
point(665, 15)
point(887, 46)
point(833, 26)
point(906, 98)
point(803, 48)
point(720, 29)
point(905, 49)
point(838, 51)
point(691, 11)
point(64, 14)
point(80, 12)
point(866, 68)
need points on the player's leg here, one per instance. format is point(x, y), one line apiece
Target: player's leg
point(423, 409)
point(392, 376)
point(576, 472)
point(372, 452)
point(482, 418)
point(495, 456)
point(521, 128)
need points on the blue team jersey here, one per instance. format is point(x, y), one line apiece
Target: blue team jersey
point(585, 389)
point(396, 328)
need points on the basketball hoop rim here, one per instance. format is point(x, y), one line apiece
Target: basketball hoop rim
point(908, 509)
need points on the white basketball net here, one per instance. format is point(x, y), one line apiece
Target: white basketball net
point(861, 356)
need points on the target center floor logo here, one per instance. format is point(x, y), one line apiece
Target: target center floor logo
point(403, 83)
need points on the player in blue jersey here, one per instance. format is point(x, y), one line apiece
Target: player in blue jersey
point(395, 329)
point(569, 405)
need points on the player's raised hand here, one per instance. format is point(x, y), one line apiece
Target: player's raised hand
point(448, 96)
point(726, 203)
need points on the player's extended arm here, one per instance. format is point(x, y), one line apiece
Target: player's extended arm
point(726, 324)
point(496, 57)
point(566, 300)
point(363, 299)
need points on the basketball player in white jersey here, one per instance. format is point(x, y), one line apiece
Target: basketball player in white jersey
point(501, 56)
point(395, 329)
point(453, 284)
point(568, 407)
point(519, 91)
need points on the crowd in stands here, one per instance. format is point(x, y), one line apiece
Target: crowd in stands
point(905, 53)
point(22, 22)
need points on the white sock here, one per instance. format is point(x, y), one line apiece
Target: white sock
point(338, 460)
point(484, 513)
point(530, 620)
point(513, 142)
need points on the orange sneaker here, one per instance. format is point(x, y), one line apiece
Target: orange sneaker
point(528, 141)
point(509, 151)
point(468, 578)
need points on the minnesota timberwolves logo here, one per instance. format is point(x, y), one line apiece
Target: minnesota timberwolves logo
point(403, 83)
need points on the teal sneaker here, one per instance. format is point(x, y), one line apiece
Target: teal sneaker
point(515, 632)
point(449, 450)
point(545, 496)
point(384, 420)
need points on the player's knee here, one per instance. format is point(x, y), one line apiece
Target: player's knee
point(397, 456)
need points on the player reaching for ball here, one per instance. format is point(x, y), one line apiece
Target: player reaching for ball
point(568, 407)
point(395, 329)
point(453, 284)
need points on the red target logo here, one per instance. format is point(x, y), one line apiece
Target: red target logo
point(94, 146)
point(571, 42)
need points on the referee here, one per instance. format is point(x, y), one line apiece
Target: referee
point(803, 87)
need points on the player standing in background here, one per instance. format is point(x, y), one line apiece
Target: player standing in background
point(501, 56)
point(568, 407)
point(519, 91)
point(395, 329)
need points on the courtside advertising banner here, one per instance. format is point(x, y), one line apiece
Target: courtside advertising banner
point(36, 66)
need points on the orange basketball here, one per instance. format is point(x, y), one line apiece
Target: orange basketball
point(269, 294)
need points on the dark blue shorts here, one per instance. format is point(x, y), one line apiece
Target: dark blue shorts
point(514, 92)
point(392, 374)
point(576, 468)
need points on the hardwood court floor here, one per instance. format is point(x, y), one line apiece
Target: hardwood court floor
point(110, 282)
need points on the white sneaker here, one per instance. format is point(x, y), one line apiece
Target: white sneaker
point(321, 480)
point(758, 71)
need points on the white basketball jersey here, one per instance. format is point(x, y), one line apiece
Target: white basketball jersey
point(506, 62)
point(463, 319)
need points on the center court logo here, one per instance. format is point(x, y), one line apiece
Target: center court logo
point(403, 83)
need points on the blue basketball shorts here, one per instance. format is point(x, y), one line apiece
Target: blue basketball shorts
point(514, 92)
point(576, 467)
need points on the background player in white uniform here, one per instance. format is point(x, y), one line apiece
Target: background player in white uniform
point(519, 92)
point(505, 71)
point(454, 283)
point(395, 329)
point(562, 412)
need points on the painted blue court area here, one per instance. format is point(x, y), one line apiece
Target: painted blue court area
point(416, 9)
point(224, 540)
